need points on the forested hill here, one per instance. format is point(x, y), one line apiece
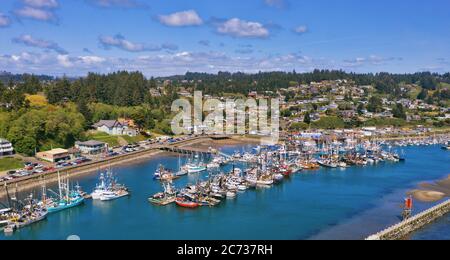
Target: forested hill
point(5, 77)
point(240, 82)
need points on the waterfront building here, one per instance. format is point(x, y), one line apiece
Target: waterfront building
point(6, 148)
point(54, 155)
point(91, 147)
point(114, 127)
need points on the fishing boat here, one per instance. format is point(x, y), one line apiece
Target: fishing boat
point(186, 203)
point(31, 213)
point(164, 174)
point(164, 198)
point(66, 198)
point(109, 189)
point(99, 188)
point(5, 216)
point(327, 163)
point(193, 168)
point(231, 195)
point(113, 195)
point(278, 177)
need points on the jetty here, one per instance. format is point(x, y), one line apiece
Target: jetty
point(406, 227)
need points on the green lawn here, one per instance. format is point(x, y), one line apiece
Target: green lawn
point(135, 139)
point(113, 140)
point(9, 163)
point(103, 137)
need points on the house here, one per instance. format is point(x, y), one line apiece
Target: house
point(91, 147)
point(114, 127)
point(6, 147)
point(54, 155)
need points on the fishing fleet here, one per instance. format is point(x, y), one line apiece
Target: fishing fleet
point(263, 167)
point(268, 166)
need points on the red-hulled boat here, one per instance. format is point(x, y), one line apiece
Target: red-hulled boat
point(186, 203)
point(285, 170)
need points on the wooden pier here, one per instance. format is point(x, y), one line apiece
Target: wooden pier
point(187, 150)
point(404, 228)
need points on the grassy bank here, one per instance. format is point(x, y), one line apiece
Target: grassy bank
point(113, 141)
point(10, 163)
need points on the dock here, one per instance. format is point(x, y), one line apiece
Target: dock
point(187, 150)
point(404, 228)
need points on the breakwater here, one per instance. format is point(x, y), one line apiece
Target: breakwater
point(404, 228)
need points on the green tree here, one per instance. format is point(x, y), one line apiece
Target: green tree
point(361, 108)
point(26, 145)
point(399, 111)
point(298, 126)
point(375, 105)
point(307, 118)
point(329, 122)
point(423, 94)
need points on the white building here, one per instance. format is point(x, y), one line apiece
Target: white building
point(6, 147)
point(114, 127)
point(91, 147)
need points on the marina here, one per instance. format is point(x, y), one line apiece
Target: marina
point(237, 192)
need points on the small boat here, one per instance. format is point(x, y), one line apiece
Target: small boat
point(195, 168)
point(242, 187)
point(327, 164)
point(184, 203)
point(278, 177)
point(165, 174)
point(9, 230)
point(231, 195)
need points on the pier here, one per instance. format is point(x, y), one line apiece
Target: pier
point(404, 228)
point(187, 150)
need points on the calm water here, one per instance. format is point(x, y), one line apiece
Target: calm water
point(331, 204)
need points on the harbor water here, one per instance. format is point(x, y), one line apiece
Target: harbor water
point(323, 204)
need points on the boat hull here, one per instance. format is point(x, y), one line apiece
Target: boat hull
point(75, 203)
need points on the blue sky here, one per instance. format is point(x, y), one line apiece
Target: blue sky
point(166, 37)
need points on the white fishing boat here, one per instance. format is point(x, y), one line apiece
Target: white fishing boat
point(195, 168)
point(113, 195)
point(231, 195)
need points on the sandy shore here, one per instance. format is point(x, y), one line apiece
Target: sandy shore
point(432, 192)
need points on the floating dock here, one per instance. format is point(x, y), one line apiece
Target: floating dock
point(404, 228)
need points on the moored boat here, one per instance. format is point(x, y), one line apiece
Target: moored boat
point(185, 203)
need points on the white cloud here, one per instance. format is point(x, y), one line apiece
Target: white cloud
point(164, 64)
point(117, 3)
point(301, 29)
point(370, 60)
point(240, 28)
point(64, 60)
point(120, 42)
point(92, 59)
point(41, 3)
point(185, 18)
point(30, 41)
point(4, 20)
point(35, 13)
